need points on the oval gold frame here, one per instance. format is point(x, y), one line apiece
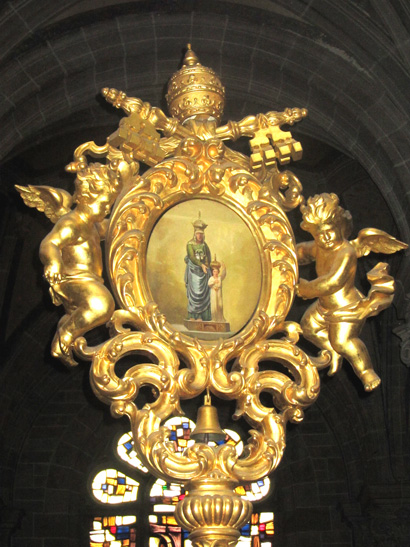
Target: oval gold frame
point(201, 172)
point(247, 222)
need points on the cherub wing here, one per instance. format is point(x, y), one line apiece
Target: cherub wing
point(53, 202)
point(376, 241)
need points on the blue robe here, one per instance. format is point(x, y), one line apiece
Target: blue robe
point(196, 281)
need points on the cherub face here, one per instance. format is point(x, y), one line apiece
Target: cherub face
point(328, 236)
point(101, 205)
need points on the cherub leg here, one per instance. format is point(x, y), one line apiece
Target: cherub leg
point(88, 304)
point(344, 338)
point(55, 344)
point(315, 329)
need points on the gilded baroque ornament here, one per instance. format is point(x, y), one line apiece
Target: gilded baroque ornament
point(216, 310)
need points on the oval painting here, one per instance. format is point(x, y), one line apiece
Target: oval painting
point(204, 269)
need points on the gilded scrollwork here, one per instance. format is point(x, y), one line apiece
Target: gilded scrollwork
point(191, 163)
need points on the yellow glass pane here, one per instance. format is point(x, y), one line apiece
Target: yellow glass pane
point(269, 528)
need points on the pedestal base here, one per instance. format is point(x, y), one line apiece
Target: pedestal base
point(207, 326)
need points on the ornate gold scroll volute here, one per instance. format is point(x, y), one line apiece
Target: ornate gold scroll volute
point(200, 170)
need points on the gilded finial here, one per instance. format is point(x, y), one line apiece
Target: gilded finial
point(191, 57)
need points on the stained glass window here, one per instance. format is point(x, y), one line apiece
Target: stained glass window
point(111, 486)
point(258, 532)
point(254, 491)
point(165, 495)
point(163, 529)
point(125, 450)
point(180, 435)
point(114, 532)
point(232, 438)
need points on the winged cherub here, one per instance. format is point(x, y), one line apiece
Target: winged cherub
point(71, 252)
point(334, 321)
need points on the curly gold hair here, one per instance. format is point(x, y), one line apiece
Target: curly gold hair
point(93, 180)
point(325, 208)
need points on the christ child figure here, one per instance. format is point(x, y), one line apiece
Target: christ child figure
point(215, 284)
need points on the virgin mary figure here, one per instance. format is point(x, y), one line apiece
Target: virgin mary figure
point(197, 274)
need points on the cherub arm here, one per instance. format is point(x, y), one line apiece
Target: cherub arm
point(342, 270)
point(65, 232)
point(306, 252)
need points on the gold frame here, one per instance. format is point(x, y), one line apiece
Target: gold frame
point(165, 186)
point(212, 511)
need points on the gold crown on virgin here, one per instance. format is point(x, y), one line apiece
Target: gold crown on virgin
point(194, 90)
point(198, 224)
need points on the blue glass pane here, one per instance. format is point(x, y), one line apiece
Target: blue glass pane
point(245, 530)
point(123, 532)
